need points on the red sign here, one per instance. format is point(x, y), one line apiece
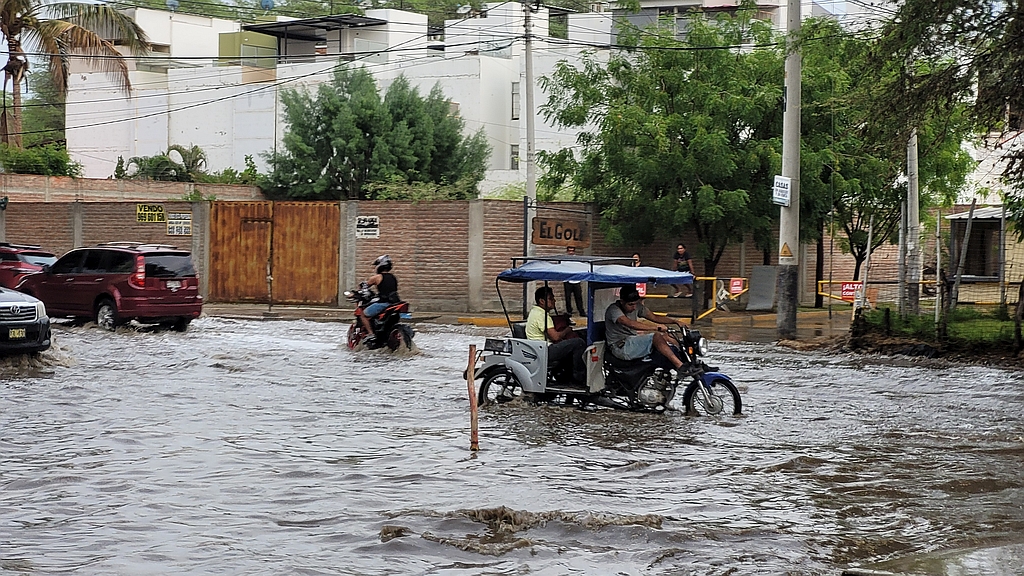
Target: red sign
point(641, 288)
point(735, 285)
point(848, 291)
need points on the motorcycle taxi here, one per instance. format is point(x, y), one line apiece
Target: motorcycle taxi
point(516, 367)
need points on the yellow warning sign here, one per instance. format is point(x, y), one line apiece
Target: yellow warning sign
point(785, 252)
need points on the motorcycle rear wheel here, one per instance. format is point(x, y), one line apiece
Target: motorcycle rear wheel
point(498, 388)
point(724, 399)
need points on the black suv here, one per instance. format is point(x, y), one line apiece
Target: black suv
point(120, 281)
point(24, 326)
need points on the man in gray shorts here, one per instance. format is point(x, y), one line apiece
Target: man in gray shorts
point(621, 327)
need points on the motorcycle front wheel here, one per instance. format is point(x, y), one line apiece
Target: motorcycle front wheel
point(721, 398)
point(355, 335)
point(498, 388)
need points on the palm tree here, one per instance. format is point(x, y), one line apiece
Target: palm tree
point(59, 32)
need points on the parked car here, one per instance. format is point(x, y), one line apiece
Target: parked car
point(116, 282)
point(17, 260)
point(24, 326)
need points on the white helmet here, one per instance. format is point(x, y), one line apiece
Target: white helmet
point(382, 262)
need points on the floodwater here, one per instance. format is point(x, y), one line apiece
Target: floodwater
point(245, 447)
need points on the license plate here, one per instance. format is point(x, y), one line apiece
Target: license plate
point(15, 333)
point(173, 284)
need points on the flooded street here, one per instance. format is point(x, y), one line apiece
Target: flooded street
point(245, 447)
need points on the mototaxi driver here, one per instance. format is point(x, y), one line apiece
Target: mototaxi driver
point(622, 326)
point(563, 344)
point(387, 291)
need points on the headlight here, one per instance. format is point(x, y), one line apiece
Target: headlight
point(702, 346)
point(40, 310)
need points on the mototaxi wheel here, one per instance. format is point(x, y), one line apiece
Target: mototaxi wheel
point(499, 387)
point(724, 399)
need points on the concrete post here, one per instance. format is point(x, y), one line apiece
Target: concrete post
point(77, 236)
point(475, 273)
point(201, 244)
point(3, 225)
point(789, 222)
point(347, 249)
point(913, 240)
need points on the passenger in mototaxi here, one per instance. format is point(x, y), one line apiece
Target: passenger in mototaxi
point(622, 329)
point(563, 344)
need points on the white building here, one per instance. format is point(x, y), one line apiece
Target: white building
point(216, 84)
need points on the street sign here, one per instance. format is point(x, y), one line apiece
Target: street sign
point(848, 291)
point(735, 285)
point(780, 191)
point(560, 232)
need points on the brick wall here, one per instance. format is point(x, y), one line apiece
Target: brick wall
point(429, 242)
point(31, 188)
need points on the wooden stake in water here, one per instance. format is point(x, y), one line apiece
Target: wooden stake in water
point(474, 438)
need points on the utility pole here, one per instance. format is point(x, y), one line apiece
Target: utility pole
point(913, 239)
point(789, 222)
point(531, 168)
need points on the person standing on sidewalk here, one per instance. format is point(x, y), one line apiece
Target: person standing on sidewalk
point(573, 290)
point(641, 287)
point(684, 263)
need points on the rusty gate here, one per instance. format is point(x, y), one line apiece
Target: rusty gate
point(294, 243)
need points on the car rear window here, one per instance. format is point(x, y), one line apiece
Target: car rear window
point(169, 265)
point(37, 258)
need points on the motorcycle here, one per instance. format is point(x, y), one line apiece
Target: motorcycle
point(388, 329)
point(517, 367)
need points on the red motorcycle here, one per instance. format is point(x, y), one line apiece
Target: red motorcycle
point(388, 329)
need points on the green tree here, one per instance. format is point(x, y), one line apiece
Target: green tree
point(346, 137)
point(677, 137)
point(58, 31)
point(861, 172)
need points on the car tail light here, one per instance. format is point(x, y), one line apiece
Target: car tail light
point(138, 278)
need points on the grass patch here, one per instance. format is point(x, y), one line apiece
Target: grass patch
point(968, 326)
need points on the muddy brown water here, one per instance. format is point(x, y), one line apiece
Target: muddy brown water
point(248, 447)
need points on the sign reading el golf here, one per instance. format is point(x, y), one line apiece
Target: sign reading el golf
point(780, 191)
point(560, 232)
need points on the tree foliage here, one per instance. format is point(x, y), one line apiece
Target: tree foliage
point(345, 141)
point(961, 59)
point(60, 31)
point(47, 160)
point(676, 137)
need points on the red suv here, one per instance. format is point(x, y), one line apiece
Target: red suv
point(17, 260)
point(120, 281)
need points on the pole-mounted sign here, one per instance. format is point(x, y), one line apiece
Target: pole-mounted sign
point(780, 191)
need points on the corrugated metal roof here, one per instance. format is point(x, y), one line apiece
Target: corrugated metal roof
point(986, 213)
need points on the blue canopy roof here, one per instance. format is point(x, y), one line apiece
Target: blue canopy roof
point(573, 271)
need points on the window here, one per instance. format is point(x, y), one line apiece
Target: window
point(983, 249)
point(515, 101)
point(513, 158)
point(95, 263)
point(68, 264)
point(122, 263)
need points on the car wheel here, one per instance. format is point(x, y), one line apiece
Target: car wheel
point(106, 314)
point(181, 324)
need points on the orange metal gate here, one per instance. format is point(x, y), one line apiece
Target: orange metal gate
point(296, 243)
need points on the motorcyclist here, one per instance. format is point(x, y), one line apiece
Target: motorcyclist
point(564, 344)
point(387, 291)
point(622, 327)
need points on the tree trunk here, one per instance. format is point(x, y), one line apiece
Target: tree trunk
point(857, 263)
point(14, 72)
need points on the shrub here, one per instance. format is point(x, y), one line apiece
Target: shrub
point(49, 160)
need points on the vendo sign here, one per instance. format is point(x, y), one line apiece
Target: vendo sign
point(848, 291)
